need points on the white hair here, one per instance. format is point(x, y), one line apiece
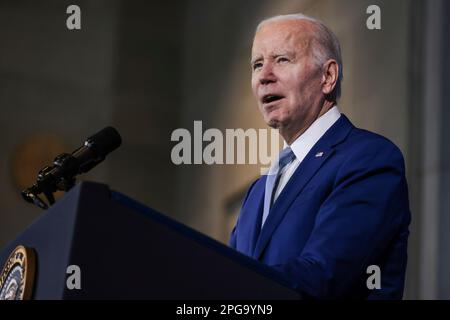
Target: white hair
point(325, 44)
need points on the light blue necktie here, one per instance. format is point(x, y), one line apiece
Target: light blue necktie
point(285, 157)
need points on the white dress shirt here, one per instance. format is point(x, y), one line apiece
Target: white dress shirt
point(304, 143)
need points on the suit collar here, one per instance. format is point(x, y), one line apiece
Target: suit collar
point(313, 161)
point(338, 132)
point(303, 144)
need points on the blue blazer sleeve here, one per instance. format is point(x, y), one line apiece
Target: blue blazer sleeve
point(233, 235)
point(366, 209)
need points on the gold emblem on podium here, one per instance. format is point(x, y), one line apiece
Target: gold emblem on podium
point(17, 277)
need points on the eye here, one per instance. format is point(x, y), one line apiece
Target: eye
point(257, 65)
point(282, 59)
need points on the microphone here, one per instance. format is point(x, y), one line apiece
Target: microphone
point(61, 176)
point(93, 151)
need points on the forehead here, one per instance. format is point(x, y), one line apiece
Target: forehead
point(291, 35)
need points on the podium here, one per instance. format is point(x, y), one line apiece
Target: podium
point(125, 250)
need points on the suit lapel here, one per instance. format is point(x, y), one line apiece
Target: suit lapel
point(255, 228)
point(303, 174)
point(297, 182)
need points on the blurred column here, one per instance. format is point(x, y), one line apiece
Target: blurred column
point(432, 147)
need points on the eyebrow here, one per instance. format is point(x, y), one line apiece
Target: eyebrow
point(273, 56)
point(253, 61)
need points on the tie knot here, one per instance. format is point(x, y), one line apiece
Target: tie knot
point(286, 156)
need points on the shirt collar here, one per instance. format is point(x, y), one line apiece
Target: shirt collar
point(304, 143)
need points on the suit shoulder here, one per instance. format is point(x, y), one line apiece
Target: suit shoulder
point(371, 142)
point(363, 147)
point(249, 190)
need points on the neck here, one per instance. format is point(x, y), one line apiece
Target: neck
point(291, 134)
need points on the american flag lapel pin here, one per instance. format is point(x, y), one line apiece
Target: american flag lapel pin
point(319, 154)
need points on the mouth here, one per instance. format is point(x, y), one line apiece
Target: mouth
point(270, 98)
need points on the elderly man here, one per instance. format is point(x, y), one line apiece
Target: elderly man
point(334, 208)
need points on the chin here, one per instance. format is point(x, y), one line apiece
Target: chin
point(275, 118)
point(274, 123)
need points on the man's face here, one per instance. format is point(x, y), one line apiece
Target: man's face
point(286, 81)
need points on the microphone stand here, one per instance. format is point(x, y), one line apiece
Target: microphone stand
point(59, 177)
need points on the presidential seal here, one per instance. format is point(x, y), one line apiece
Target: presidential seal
point(17, 277)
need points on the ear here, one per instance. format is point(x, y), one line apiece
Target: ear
point(329, 76)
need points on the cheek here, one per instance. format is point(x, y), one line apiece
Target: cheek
point(254, 86)
point(302, 88)
point(294, 83)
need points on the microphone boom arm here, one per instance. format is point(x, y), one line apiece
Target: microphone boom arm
point(61, 176)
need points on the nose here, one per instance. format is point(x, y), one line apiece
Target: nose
point(266, 74)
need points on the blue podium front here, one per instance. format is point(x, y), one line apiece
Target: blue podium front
point(120, 249)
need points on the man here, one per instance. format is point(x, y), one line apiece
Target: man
point(336, 203)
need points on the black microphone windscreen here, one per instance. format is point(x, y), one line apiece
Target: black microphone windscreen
point(105, 141)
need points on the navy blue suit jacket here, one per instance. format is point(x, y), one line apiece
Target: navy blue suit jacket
point(338, 214)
